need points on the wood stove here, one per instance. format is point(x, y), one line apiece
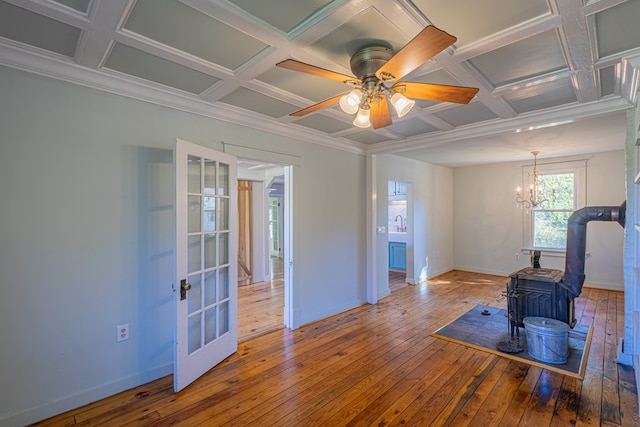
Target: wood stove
point(543, 292)
point(537, 292)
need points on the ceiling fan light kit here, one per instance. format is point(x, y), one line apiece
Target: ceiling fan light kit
point(376, 65)
point(351, 101)
point(363, 118)
point(402, 104)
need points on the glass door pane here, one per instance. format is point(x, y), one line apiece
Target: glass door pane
point(208, 251)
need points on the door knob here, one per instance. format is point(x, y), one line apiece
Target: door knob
point(184, 287)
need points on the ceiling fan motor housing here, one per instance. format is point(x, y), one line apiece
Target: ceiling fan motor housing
point(366, 61)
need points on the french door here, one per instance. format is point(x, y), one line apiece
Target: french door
point(206, 294)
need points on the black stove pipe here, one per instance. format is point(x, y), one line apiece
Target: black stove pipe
point(573, 278)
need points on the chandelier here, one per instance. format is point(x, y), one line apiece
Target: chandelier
point(534, 196)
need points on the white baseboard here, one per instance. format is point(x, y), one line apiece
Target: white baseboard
point(604, 286)
point(440, 271)
point(76, 400)
point(482, 270)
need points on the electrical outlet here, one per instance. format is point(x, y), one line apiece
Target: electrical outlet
point(122, 332)
point(517, 255)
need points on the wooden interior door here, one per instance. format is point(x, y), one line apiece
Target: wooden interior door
point(245, 233)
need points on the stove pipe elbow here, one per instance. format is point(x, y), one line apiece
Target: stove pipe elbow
point(577, 241)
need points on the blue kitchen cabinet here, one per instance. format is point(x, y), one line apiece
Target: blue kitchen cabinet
point(397, 256)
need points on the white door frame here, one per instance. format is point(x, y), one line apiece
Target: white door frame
point(291, 162)
point(291, 279)
point(373, 230)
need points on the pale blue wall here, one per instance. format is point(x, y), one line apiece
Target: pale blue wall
point(86, 238)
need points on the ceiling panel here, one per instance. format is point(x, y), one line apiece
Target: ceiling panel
point(527, 58)
point(608, 80)
point(19, 24)
point(184, 28)
point(251, 100)
point(273, 11)
point(411, 127)
point(475, 20)
point(466, 114)
point(557, 92)
point(323, 123)
point(365, 137)
point(132, 61)
point(614, 26)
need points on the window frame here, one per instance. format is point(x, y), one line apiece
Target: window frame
point(578, 168)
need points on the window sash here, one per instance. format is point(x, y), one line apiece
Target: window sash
point(549, 237)
point(578, 168)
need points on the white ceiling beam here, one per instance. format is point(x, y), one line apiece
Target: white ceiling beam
point(576, 46)
point(95, 45)
point(511, 35)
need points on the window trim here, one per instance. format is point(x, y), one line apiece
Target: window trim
point(579, 169)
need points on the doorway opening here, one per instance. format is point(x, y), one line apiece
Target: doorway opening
point(397, 234)
point(262, 294)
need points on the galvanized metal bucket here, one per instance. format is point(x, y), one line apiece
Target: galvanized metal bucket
point(547, 339)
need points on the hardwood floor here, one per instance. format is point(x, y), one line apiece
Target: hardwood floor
point(397, 280)
point(261, 305)
point(378, 365)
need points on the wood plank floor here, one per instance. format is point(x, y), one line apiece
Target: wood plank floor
point(397, 280)
point(261, 305)
point(377, 365)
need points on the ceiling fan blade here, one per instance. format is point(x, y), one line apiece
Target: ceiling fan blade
point(435, 92)
point(326, 103)
point(428, 43)
point(380, 115)
point(292, 64)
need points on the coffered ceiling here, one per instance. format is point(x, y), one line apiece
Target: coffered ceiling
point(554, 75)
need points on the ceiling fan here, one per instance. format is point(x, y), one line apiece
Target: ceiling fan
point(374, 66)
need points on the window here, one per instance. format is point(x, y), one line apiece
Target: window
point(546, 226)
point(549, 222)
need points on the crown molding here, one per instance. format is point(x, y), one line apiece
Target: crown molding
point(62, 68)
point(550, 117)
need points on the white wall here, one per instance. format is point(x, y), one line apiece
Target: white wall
point(488, 226)
point(86, 238)
point(431, 216)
